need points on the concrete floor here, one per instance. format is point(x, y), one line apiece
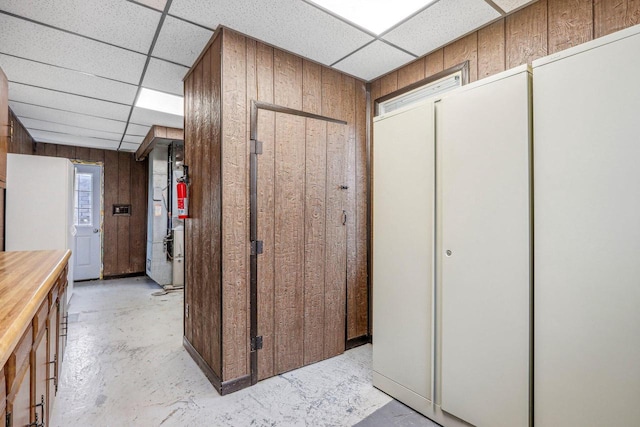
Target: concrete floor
point(125, 366)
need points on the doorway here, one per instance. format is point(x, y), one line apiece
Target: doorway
point(88, 221)
point(299, 239)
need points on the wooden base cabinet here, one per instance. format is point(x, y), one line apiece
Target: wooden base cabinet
point(28, 380)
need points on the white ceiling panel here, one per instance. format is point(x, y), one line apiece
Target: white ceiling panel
point(143, 116)
point(67, 102)
point(72, 130)
point(289, 24)
point(511, 5)
point(138, 130)
point(156, 4)
point(180, 41)
point(114, 21)
point(373, 60)
point(67, 118)
point(128, 146)
point(32, 41)
point(133, 139)
point(78, 141)
point(164, 76)
point(47, 76)
point(441, 23)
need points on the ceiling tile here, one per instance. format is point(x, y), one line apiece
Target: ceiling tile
point(133, 139)
point(142, 116)
point(289, 24)
point(128, 146)
point(511, 5)
point(164, 76)
point(114, 21)
point(156, 4)
point(40, 43)
point(72, 130)
point(180, 41)
point(47, 76)
point(138, 130)
point(67, 102)
point(67, 118)
point(78, 141)
point(373, 60)
point(441, 23)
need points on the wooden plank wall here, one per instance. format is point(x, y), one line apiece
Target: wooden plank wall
point(125, 182)
point(251, 70)
point(203, 288)
point(542, 28)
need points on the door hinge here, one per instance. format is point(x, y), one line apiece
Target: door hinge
point(186, 310)
point(256, 146)
point(8, 420)
point(256, 247)
point(256, 343)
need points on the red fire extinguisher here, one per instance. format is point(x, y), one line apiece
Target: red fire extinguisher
point(183, 199)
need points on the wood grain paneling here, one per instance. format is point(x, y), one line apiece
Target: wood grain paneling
point(526, 34)
point(434, 63)
point(254, 70)
point(289, 248)
point(465, 49)
point(491, 54)
point(611, 16)
point(124, 238)
point(412, 73)
point(361, 218)
point(235, 230)
point(389, 83)
point(266, 210)
point(570, 23)
point(315, 211)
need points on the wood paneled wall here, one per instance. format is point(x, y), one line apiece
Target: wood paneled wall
point(125, 182)
point(251, 70)
point(542, 28)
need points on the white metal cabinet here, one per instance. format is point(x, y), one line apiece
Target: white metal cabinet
point(403, 215)
point(587, 240)
point(484, 142)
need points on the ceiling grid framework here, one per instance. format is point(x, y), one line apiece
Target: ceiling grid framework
point(76, 67)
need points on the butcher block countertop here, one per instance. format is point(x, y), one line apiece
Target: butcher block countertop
point(25, 281)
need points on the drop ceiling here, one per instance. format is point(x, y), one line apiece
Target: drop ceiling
point(75, 67)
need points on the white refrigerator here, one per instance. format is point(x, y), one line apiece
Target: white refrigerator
point(39, 205)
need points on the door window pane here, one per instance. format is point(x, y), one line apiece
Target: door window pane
point(83, 212)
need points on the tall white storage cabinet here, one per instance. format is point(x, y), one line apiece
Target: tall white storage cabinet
point(39, 205)
point(403, 229)
point(452, 254)
point(484, 179)
point(587, 239)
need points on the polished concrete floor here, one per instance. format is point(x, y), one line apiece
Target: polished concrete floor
point(125, 366)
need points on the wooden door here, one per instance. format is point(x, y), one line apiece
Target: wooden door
point(39, 372)
point(19, 400)
point(301, 220)
point(3, 395)
point(52, 323)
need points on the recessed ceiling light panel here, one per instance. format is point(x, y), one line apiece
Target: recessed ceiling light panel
point(373, 15)
point(160, 101)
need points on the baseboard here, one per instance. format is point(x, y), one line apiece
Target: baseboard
point(417, 402)
point(223, 387)
point(117, 276)
point(358, 341)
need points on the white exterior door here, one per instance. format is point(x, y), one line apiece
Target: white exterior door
point(88, 222)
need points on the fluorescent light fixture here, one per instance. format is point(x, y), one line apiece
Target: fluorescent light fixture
point(373, 15)
point(160, 101)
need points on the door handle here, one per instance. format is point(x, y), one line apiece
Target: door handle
point(96, 230)
point(344, 217)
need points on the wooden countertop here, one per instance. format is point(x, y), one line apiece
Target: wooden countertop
point(25, 281)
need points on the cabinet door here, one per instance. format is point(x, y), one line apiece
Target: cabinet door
point(53, 354)
point(403, 226)
point(3, 396)
point(587, 222)
point(19, 400)
point(39, 371)
point(483, 137)
point(62, 327)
